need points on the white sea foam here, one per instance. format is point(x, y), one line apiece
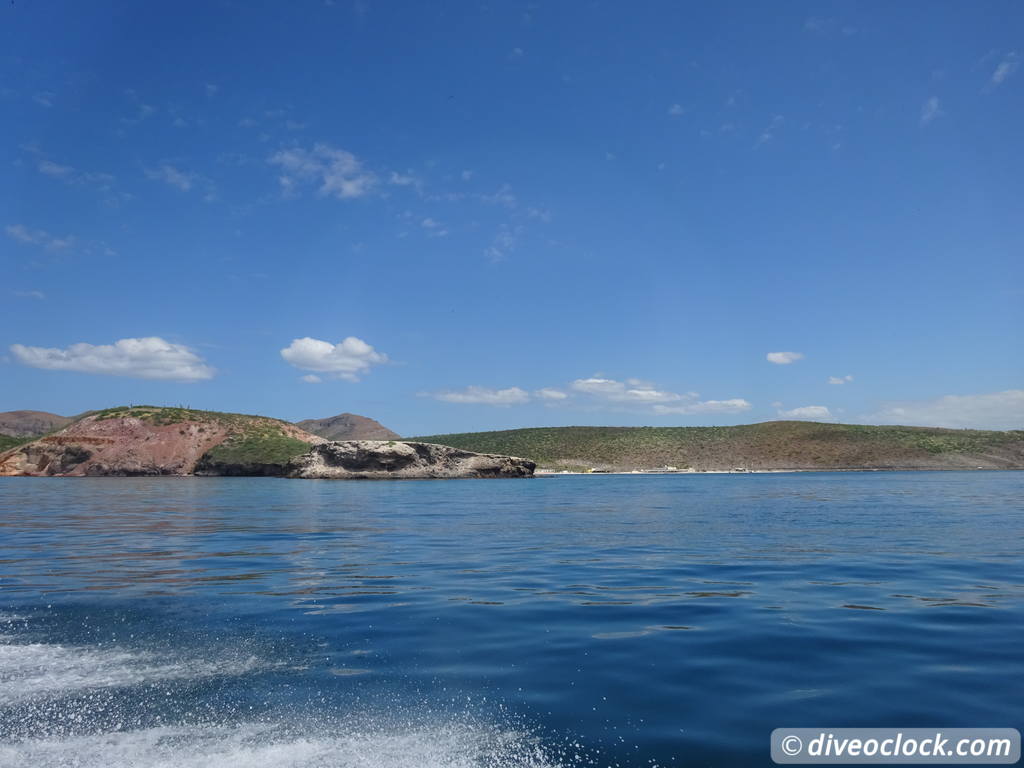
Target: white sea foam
point(451, 745)
point(31, 671)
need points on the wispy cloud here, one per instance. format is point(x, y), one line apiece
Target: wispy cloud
point(348, 359)
point(636, 393)
point(143, 111)
point(433, 228)
point(840, 379)
point(68, 174)
point(676, 110)
point(334, 172)
point(503, 196)
point(769, 133)
point(823, 25)
point(39, 295)
point(483, 396)
point(168, 174)
point(735, 405)
point(1004, 69)
point(182, 180)
point(597, 393)
point(40, 237)
point(784, 358)
point(43, 98)
point(629, 391)
point(551, 394)
point(504, 243)
point(994, 410)
point(812, 412)
point(145, 358)
point(930, 110)
point(407, 179)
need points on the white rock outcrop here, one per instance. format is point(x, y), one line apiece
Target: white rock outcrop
point(386, 459)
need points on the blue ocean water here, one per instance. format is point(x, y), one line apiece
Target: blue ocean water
point(616, 620)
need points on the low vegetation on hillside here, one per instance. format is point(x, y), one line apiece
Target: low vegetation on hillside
point(7, 442)
point(256, 447)
point(771, 445)
point(161, 416)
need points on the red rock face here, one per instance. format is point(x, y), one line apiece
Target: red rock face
point(123, 446)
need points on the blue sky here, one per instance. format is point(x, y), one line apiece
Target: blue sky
point(453, 217)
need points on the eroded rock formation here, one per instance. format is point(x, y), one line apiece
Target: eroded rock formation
point(383, 459)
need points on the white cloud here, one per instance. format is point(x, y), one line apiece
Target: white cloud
point(930, 110)
point(433, 228)
point(211, 90)
point(631, 394)
point(637, 392)
point(69, 174)
point(184, 180)
point(485, 396)
point(466, 175)
point(403, 180)
point(813, 412)
point(735, 405)
point(51, 168)
point(676, 109)
point(995, 410)
point(632, 391)
point(768, 134)
point(504, 243)
point(30, 295)
point(839, 379)
point(503, 197)
point(145, 358)
point(144, 110)
point(348, 359)
point(784, 358)
point(312, 378)
point(1004, 69)
point(551, 394)
point(43, 98)
point(334, 171)
point(38, 237)
point(170, 175)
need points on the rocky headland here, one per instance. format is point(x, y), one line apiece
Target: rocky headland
point(383, 459)
point(147, 440)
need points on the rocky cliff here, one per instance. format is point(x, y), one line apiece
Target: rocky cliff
point(381, 459)
point(347, 426)
point(147, 440)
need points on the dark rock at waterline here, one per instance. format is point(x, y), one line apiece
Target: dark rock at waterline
point(383, 459)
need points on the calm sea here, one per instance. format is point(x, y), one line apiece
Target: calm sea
point(629, 621)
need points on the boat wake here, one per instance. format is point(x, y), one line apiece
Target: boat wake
point(31, 671)
point(253, 745)
point(98, 706)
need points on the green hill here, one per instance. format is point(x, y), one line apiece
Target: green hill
point(7, 441)
point(771, 445)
